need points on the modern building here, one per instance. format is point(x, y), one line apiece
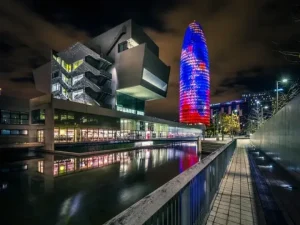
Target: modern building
point(96, 91)
point(238, 107)
point(265, 98)
point(194, 96)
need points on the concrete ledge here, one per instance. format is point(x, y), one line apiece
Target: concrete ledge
point(22, 145)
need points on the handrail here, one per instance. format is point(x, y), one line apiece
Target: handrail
point(142, 211)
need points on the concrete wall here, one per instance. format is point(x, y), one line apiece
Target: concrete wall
point(130, 67)
point(281, 135)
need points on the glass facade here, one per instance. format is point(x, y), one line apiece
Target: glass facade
point(128, 104)
point(38, 116)
point(13, 117)
point(80, 127)
point(194, 104)
point(13, 132)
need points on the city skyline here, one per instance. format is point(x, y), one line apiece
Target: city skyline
point(240, 60)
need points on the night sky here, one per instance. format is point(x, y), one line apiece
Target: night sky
point(240, 36)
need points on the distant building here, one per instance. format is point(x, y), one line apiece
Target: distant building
point(239, 107)
point(194, 90)
point(261, 99)
point(264, 98)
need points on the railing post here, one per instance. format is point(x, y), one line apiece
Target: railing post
point(199, 146)
point(185, 206)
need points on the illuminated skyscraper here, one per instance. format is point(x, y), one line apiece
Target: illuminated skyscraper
point(194, 102)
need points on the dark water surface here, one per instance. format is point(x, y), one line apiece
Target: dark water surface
point(49, 189)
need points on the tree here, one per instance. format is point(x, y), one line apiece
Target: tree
point(254, 120)
point(230, 124)
point(210, 130)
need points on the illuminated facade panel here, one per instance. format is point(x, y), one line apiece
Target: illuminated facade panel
point(194, 102)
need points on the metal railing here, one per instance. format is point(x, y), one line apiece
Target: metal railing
point(186, 199)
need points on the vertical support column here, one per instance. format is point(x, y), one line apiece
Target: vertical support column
point(199, 146)
point(49, 127)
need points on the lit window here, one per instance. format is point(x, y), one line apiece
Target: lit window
point(24, 132)
point(66, 66)
point(76, 93)
point(5, 132)
point(65, 79)
point(131, 43)
point(77, 78)
point(77, 64)
point(55, 87)
point(154, 80)
point(41, 166)
point(65, 93)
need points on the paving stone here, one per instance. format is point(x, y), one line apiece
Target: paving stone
point(234, 204)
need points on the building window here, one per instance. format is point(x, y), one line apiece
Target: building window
point(122, 46)
point(76, 79)
point(66, 66)
point(13, 132)
point(65, 93)
point(5, 132)
point(9, 117)
point(66, 79)
point(38, 116)
point(55, 87)
point(77, 64)
point(131, 43)
point(41, 166)
point(154, 80)
point(75, 94)
point(55, 74)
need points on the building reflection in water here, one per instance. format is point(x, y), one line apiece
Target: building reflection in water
point(187, 152)
point(61, 188)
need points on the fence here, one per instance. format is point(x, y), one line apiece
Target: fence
point(186, 199)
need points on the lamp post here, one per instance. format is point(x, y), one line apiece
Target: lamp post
point(262, 113)
point(277, 83)
point(257, 117)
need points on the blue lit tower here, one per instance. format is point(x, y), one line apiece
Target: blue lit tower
point(194, 98)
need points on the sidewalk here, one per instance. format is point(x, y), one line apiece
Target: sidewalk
point(235, 203)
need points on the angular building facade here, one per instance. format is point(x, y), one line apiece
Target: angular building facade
point(119, 69)
point(194, 97)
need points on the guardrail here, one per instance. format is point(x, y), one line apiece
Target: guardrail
point(184, 200)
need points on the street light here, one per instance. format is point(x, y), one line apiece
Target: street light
point(277, 82)
point(262, 113)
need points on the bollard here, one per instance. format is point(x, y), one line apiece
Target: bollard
point(199, 146)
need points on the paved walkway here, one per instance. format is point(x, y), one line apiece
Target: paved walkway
point(235, 202)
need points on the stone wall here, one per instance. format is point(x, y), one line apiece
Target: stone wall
point(280, 137)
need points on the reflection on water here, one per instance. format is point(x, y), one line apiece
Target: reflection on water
point(86, 190)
